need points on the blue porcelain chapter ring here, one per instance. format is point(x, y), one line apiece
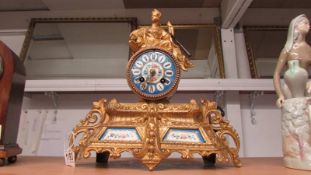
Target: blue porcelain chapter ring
point(153, 73)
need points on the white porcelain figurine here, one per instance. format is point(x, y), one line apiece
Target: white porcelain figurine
point(293, 95)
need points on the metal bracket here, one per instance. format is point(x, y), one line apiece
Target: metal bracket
point(54, 96)
point(253, 96)
point(217, 96)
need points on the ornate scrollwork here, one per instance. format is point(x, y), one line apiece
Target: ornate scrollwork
point(153, 121)
point(87, 126)
point(222, 129)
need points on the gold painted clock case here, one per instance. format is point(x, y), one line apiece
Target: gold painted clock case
point(155, 128)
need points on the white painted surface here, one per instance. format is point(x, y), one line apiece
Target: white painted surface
point(13, 39)
point(121, 85)
point(229, 53)
point(232, 11)
point(264, 138)
point(232, 103)
point(241, 54)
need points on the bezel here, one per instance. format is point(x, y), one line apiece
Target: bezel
point(171, 89)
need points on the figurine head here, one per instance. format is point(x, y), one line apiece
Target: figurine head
point(298, 26)
point(156, 16)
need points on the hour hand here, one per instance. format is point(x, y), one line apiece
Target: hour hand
point(143, 83)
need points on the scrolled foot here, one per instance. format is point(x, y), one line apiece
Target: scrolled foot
point(12, 159)
point(210, 160)
point(102, 158)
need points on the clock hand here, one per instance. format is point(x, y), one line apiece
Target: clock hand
point(163, 80)
point(152, 73)
point(143, 85)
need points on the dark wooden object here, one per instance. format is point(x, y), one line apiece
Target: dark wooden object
point(12, 84)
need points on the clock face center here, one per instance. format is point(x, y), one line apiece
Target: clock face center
point(153, 72)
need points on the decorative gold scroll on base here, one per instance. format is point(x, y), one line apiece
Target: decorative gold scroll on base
point(152, 131)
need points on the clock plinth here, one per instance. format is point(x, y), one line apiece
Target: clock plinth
point(152, 131)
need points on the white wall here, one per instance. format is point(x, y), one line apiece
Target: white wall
point(262, 139)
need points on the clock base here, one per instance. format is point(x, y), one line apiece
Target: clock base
point(151, 131)
point(10, 153)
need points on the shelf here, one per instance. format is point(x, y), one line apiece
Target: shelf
point(55, 165)
point(76, 85)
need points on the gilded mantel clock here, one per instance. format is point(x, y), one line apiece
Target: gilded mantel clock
point(153, 128)
point(153, 73)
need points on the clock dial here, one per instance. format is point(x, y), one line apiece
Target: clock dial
point(153, 73)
